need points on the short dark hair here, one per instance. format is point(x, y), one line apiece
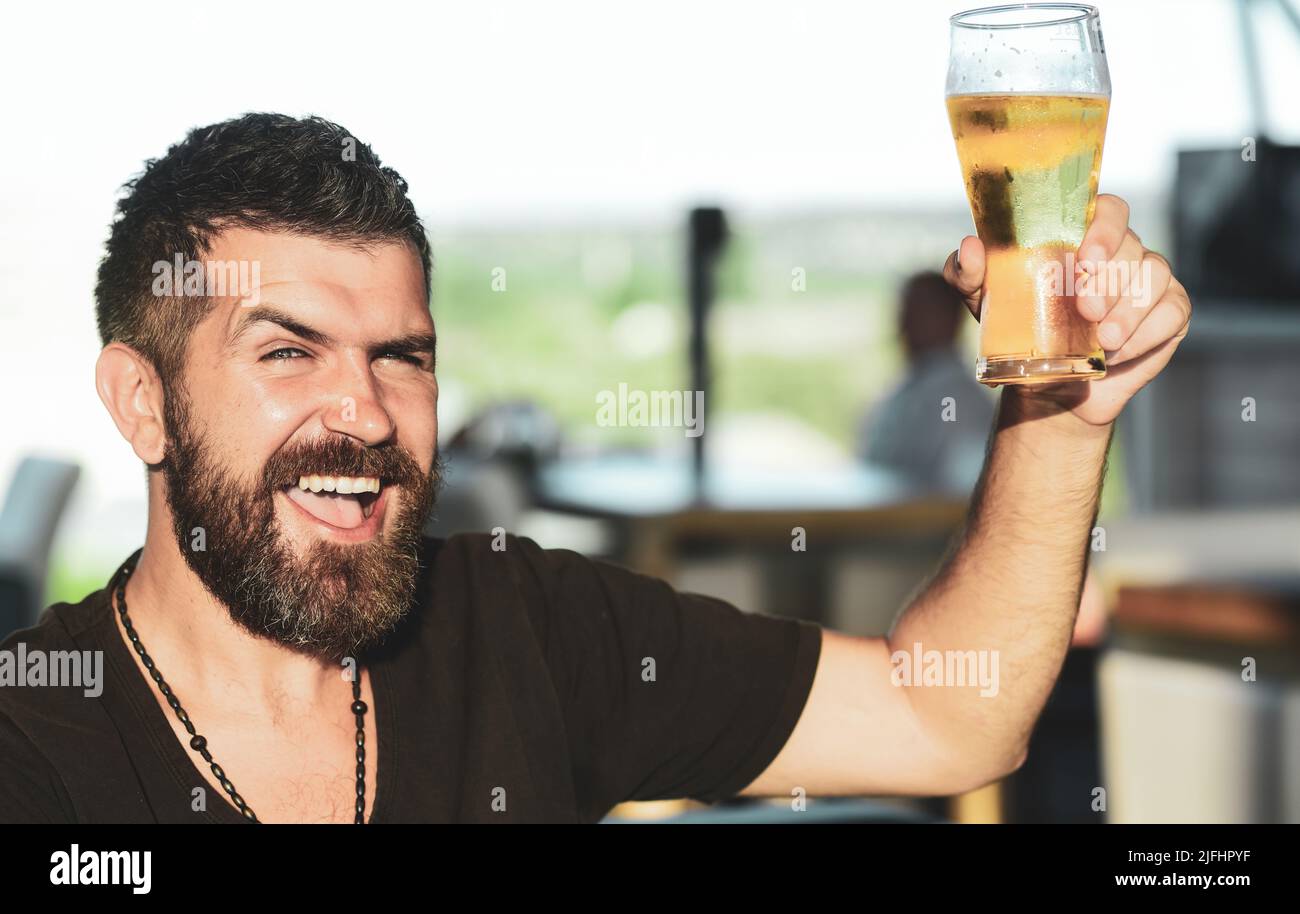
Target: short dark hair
point(930, 311)
point(272, 172)
point(931, 285)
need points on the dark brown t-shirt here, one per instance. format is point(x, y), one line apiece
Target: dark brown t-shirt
point(519, 674)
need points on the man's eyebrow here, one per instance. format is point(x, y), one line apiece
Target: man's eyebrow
point(410, 344)
point(271, 315)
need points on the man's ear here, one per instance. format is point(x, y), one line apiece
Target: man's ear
point(131, 390)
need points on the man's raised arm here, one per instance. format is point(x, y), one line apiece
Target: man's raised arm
point(1000, 611)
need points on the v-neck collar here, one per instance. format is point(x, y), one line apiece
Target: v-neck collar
point(180, 762)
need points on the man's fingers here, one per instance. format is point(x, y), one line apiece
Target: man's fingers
point(964, 271)
point(1109, 225)
point(1142, 285)
point(1104, 241)
point(1102, 283)
point(1168, 320)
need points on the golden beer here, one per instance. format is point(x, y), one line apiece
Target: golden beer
point(1030, 163)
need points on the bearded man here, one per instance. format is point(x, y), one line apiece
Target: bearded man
point(288, 647)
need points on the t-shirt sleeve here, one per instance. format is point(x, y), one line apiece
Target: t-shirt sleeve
point(665, 694)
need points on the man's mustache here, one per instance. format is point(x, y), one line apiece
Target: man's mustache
point(338, 456)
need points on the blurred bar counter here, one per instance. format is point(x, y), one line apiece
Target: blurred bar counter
point(842, 547)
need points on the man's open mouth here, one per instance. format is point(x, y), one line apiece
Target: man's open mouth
point(341, 501)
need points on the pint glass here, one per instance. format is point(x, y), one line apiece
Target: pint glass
point(1028, 93)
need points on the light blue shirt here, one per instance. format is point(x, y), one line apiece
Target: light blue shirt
point(916, 430)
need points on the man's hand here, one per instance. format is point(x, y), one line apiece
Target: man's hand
point(1142, 319)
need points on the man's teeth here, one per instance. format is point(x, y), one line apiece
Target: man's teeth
point(344, 485)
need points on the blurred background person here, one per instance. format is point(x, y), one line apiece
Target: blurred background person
point(933, 425)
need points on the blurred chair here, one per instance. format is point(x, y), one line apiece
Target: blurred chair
point(491, 469)
point(33, 506)
point(869, 589)
point(520, 433)
point(1200, 701)
point(738, 579)
point(1188, 741)
point(479, 495)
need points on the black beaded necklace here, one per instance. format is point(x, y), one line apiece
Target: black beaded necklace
point(200, 745)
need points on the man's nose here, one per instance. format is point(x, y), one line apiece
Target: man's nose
point(358, 409)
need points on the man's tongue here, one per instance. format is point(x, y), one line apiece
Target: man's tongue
point(339, 510)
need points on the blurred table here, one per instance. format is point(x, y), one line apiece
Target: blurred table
point(646, 485)
point(655, 505)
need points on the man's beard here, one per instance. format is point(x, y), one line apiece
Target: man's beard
point(334, 602)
